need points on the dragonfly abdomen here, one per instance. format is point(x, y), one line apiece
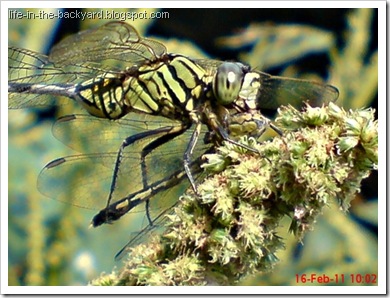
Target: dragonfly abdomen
point(103, 96)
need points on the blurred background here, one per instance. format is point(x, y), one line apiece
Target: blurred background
point(49, 242)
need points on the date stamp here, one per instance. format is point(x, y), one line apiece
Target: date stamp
point(322, 279)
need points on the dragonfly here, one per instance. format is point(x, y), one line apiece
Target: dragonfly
point(163, 110)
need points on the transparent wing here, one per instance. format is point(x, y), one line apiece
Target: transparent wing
point(84, 180)
point(112, 41)
point(276, 91)
point(80, 180)
point(139, 237)
point(109, 49)
point(88, 134)
point(27, 68)
point(74, 180)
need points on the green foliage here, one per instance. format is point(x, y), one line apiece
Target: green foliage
point(354, 68)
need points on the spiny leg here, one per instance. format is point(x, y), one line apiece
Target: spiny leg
point(240, 119)
point(170, 134)
point(188, 154)
point(127, 142)
point(276, 129)
point(221, 131)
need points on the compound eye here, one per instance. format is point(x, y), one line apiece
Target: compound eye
point(227, 82)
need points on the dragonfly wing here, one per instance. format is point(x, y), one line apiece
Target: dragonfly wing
point(276, 91)
point(103, 135)
point(114, 41)
point(26, 68)
point(30, 70)
point(210, 65)
point(79, 180)
point(85, 180)
point(35, 79)
point(139, 237)
point(158, 165)
point(82, 181)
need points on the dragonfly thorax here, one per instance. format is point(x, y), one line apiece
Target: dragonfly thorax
point(171, 88)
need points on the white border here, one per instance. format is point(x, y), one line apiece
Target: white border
point(195, 4)
point(380, 289)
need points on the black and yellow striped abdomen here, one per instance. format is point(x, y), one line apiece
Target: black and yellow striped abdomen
point(103, 96)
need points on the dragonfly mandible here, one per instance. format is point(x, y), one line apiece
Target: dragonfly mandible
point(163, 105)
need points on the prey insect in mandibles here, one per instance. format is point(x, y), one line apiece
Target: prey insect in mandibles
point(165, 107)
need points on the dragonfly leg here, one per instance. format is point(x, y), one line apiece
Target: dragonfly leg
point(147, 205)
point(127, 142)
point(249, 123)
point(276, 129)
point(188, 154)
point(167, 135)
point(223, 133)
point(122, 206)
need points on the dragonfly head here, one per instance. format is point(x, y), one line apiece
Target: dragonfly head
point(228, 81)
point(234, 83)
